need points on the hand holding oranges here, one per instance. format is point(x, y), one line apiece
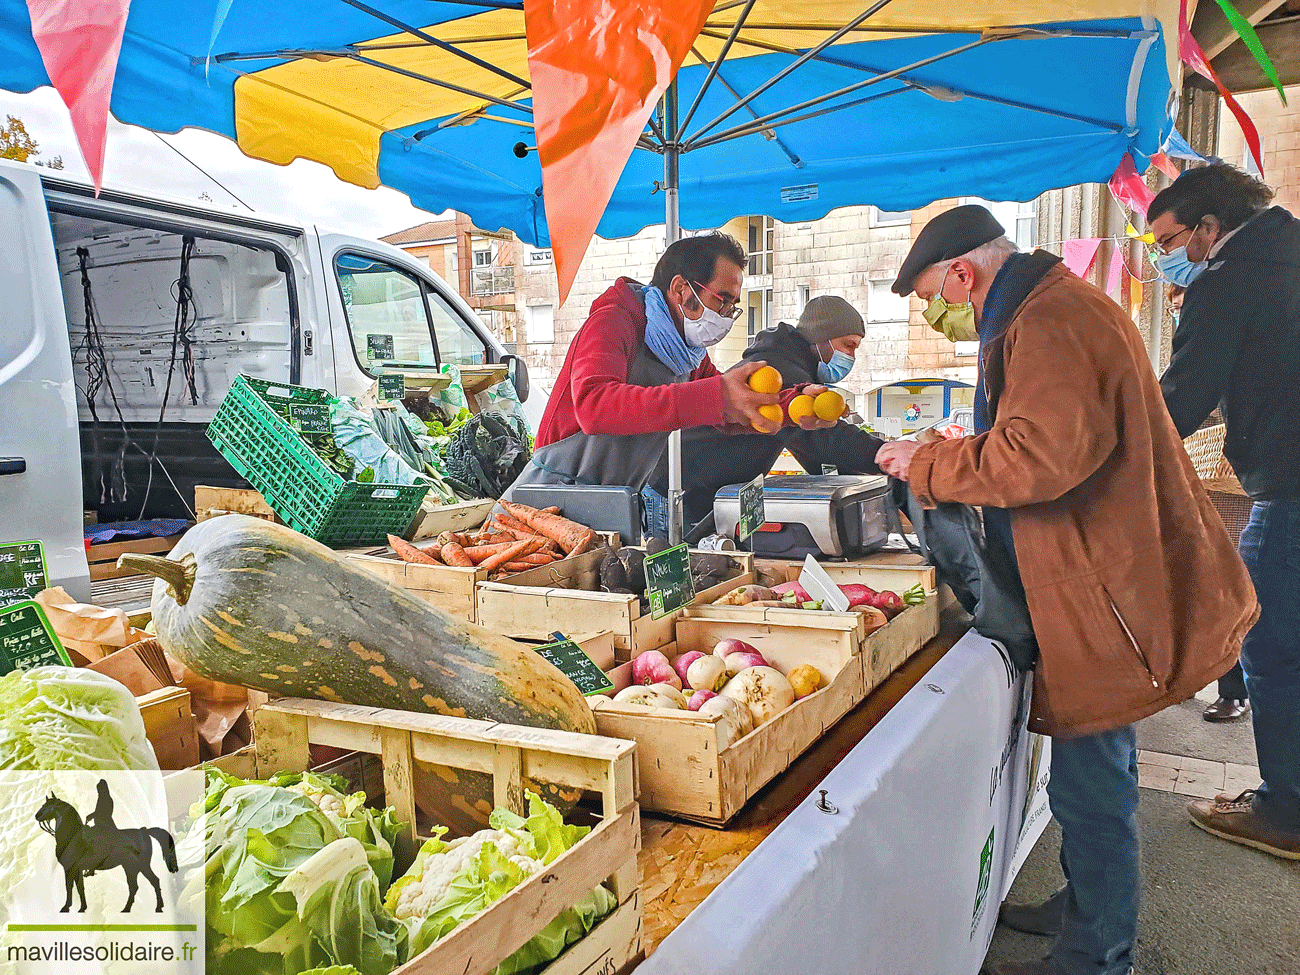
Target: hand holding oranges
point(750, 397)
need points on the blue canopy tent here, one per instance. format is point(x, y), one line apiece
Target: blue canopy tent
point(786, 109)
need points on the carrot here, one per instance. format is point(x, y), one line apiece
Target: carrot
point(538, 558)
point(509, 555)
point(519, 566)
point(572, 537)
point(410, 553)
point(509, 521)
point(552, 510)
point(454, 554)
point(481, 553)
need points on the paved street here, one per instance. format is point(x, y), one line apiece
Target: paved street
point(1209, 907)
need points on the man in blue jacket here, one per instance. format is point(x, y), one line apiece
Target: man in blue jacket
point(1238, 347)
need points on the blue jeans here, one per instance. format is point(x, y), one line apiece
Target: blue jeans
point(1093, 792)
point(1270, 657)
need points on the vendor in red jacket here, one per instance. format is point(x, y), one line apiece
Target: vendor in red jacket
point(638, 369)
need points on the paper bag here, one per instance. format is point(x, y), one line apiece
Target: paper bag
point(220, 711)
point(89, 633)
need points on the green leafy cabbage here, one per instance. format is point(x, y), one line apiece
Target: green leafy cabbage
point(291, 879)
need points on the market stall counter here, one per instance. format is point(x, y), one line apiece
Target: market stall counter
point(887, 852)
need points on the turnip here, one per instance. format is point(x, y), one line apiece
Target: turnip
point(800, 593)
point(734, 719)
point(737, 662)
point(683, 663)
point(707, 673)
point(652, 667)
point(725, 647)
point(699, 698)
point(670, 693)
point(596, 700)
point(859, 595)
point(763, 690)
point(644, 696)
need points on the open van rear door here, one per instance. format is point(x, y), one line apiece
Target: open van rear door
point(40, 452)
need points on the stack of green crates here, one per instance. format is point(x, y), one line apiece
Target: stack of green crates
point(303, 490)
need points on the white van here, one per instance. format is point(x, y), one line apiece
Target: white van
point(108, 303)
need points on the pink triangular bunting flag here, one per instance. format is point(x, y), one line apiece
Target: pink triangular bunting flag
point(80, 41)
point(1078, 255)
point(1116, 266)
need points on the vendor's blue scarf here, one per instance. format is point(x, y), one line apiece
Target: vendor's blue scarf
point(663, 339)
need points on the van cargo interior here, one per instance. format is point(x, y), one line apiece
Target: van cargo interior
point(160, 323)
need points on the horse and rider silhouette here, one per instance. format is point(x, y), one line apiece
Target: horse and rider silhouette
point(83, 849)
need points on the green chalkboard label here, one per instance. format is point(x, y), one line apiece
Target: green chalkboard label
point(27, 639)
point(752, 515)
point(830, 469)
point(392, 386)
point(668, 581)
point(310, 417)
point(576, 665)
point(22, 571)
point(379, 347)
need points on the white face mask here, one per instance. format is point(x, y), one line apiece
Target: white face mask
point(709, 329)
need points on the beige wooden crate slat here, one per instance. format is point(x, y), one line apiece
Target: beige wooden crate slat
point(103, 558)
point(285, 728)
point(209, 502)
point(889, 647)
point(450, 588)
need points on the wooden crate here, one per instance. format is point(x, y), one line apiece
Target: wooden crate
point(169, 725)
point(209, 502)
point(285, 729)
point(880, 572)
point(103, 558)
point(682, 769)
point(448, 587)
point(466, 515)
point(565, 596)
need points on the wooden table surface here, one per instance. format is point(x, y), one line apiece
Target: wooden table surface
point(681, 863)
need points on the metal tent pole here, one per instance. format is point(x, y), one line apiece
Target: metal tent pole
point(673, 232)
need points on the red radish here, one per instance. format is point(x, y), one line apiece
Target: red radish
point(800, 593)
point(859, 595)
point(736, 662)
point(652, 667)
point(725, 647)
point(683, 664)
point(890, 603)
point(698, 698)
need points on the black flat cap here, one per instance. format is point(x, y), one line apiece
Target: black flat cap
point(951, 234)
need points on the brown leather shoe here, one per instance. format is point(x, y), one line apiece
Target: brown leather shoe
point(1043, 919)
point(1236, 820)
point(1226, 709)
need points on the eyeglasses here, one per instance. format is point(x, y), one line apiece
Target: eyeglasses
point(727, 308)
point(1164, 245)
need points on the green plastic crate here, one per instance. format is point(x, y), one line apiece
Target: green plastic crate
point(302, 489)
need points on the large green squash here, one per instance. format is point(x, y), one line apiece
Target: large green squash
point(253, 603)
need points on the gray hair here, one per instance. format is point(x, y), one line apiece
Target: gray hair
point(988, 258)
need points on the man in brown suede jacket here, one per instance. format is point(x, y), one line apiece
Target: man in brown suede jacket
point(1137, 596)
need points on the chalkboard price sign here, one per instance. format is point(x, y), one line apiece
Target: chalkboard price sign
point(27, 640)
point(22, 571)
point(379, 347)
point(830, 469)
point(668, 581)
point(573, 661)
point(310, 417)
point(752, 514)
point(392, 386)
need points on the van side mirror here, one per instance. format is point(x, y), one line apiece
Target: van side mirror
point(518, 375)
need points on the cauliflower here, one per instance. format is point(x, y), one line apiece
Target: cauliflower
point(330, 804)
point(420, 895)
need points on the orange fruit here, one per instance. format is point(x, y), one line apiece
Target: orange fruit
point(772, 413)
point(801, 406)
point(829, 405)
point(765, 380)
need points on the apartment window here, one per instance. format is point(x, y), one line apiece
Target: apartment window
point(889, 218)
point(482, 255)
point(1026, 225)
point(762, 239)
point(804, 293)
point(541, 324)
point(885, 306)
point(758, 312)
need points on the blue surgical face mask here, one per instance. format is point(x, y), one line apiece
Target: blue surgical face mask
point(841, 365)
point(1176, 268)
